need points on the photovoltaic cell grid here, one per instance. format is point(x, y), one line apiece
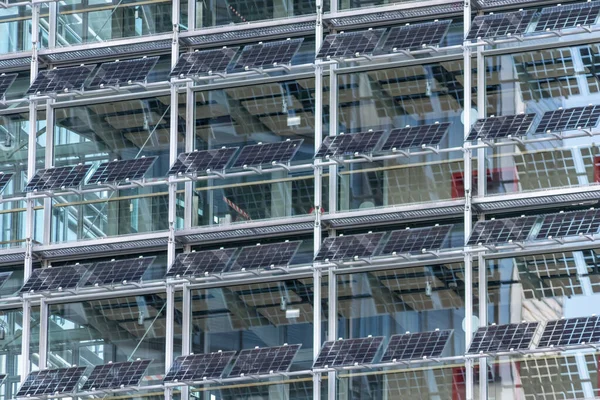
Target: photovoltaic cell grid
point(415, 37)
point(571, 331)
point(415, 136)
point(268, 54)
point(500, 231)
point(346, 247)
point(500, 25)
point(203, 62)
point(363, 142)
point(50, 381)
point(4, 179)
point(415, 240)
point(46, 279)
point(569, 119)
point(348, 352)
point(60, 80)
point(265, 256)
point(415, 346)
point(57, 178)
point(120, 170)
point(500, 127)
point(568, 16)
point(200, 161)
point(6, 80)
point(497, 338)
point(201, 262)
point(267, 153)
point(349, 44)
point(116, 375)
point(123, 72)
point(569, 224)
point(197, 367)
point(265, 360)
point(118, 271)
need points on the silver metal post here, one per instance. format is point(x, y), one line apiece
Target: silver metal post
point(481, 100)
point(332, 327)
point(481, 263)
point(43, 350)
point(25, 341)
point(333, 128)
point(316, 329)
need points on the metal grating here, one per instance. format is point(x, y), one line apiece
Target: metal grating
point(303, 227)
point(396, 217)
point(103, 248)
point(15, 63)
point(533, 202)
point(237, 36)
point(145, 48)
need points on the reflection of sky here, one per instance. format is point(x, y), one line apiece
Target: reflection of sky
point(581, 306)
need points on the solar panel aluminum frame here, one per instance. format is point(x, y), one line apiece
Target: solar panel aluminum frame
point(113, 68)
point(412, 346)
point(103, 377)
point(6, 81)
point(245, 364)
point(180, 369)
point(237, 267)
point(221, 158)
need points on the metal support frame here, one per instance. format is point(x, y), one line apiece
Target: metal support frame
point(43, 341)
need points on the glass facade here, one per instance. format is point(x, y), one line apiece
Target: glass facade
point(122, 239)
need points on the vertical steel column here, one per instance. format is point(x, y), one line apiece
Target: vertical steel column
point(172, 201)
point(333, 128)
point(43, 350)
point(48, 163)
point(481, 263)
point(190, 131)
point(318, 200)
point(481, 103)
point(52, 22)
point(467, 178)
point(29, 214)
point(332, 327)
point(191, 10)
point(481, 192)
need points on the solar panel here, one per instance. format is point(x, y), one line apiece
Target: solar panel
point(416, 240)
point(265, 256)
point(268, 54)
point(415, 37)
point(345, 247)
point(267, 153)
point(415, 136)
point(121, 170)
point(569, 119)
point(496, 338)
point(349, 144)
point(4, 179)
point(348, 352)
point(51, 381)
point(123, 72)
point(58, 178)
point(571, 331)
point(197, 367)
point(569, 224)
point(116, 375)
point(6, 81)
point(568, 16)
point(500, 25)
point(264, 361)
point(116, 272)
point(415, 346)
point(200, 161)
point(55, 278)
point(201, 262)
point(500, 127)
point(349, 44)
point(498, 231)
point(60, 80)
point(203, 62)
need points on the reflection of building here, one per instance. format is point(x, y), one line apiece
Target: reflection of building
point(296, 301)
